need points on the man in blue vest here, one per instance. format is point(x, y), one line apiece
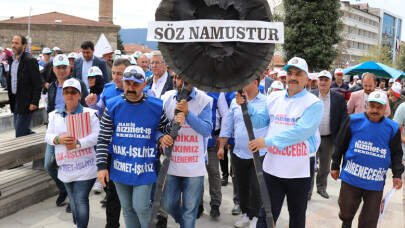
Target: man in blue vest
point(367, 154)
point(131, 125)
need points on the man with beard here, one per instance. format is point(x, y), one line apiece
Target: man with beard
point(24, 83)
point(358, 99)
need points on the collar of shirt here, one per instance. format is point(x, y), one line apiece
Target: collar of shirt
point(191, 96)
point(259, 97)
point(163, 78)
point(19, 57)
point(300, 94)
point(63, 112)
point(91, 60)
point(327, 96)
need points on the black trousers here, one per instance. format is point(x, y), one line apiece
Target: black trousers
point(113, 206)
point(224, 164)
point(249, 191)
point(296, 190)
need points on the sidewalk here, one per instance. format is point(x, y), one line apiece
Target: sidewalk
point(321, 212)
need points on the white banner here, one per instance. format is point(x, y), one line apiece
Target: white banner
point(216, 31)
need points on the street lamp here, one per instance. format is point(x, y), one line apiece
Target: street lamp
point(29, 30)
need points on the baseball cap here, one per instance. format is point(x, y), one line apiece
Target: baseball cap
point(378, 96)
point(108, 50)
point(298, 62)
point(46, 51)
point(61, 60)
point(391, 80)
point(313, 76)
point(72, 55)
point(55, 49)
point(117, 52)
point(134, 73)
point(130, 58)
point(359, 81)
point(94, 71)
point(72, 83)
point(137, 54)
point(356, 77)
point(277, 85)
point(1, 49)
point(396, 87)
point(325, 73)
point(282, 74)
point(339, 71)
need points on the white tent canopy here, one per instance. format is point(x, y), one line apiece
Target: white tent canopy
point(101, 45)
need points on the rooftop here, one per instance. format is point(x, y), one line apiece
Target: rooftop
point(56, 18)
point(131, 48)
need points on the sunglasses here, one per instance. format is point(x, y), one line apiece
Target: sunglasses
point(133, 75)
point(72, 92)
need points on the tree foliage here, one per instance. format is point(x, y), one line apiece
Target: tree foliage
point(379, 54)
point(312, 28)
point(401, 63)
point(120, 44)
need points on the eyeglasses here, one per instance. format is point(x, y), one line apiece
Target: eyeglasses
point(133, 75)
point(72, 92)
point(156, 63)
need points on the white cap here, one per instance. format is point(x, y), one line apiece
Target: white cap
point(282, 74)
point(134, 73)
point(378, 96)
point(356, 77)
point(391, 80)
point(46, 51)
point(130, 58)
point(149, 55)
point(277, 85)
point(325, 73)
point(137, 54)
point(396, 87)
point(94, 71)
point(41, 56)
point(55, 49)
point(108, 50)
point(298, 63)
point(72, 83)
point(117, 52)
point(359, 82)
point(1, 49)
point(313, 76)
point(61, 60)
point(72, 55)
point(339, 71)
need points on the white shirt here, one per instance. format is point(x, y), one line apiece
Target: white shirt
point(85, 70)
point(70, 167)
point(222, 111)
point(158, 85)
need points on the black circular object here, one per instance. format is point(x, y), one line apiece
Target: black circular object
point(216, 66)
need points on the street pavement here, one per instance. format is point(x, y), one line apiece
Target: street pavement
point(321, 213)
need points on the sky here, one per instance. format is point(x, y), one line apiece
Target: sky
point(136, 13)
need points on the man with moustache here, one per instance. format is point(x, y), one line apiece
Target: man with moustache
point(292, 117)
point(358, 99)
point(333, 116)
point(24, 86)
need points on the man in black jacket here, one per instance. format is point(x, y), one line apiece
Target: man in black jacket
point(334, 114)
point(161, 81)
point(24, 83)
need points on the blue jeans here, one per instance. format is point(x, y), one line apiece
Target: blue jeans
point(78, 192)
point(135, 205)
point(185, 213)
point(22, 123)
point(52, 172)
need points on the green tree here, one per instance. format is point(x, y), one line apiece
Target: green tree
point(312, 28)
point(120, 44)
point(401, 63)
point(379, 54)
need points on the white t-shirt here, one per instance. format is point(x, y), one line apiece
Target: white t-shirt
point(158, 85)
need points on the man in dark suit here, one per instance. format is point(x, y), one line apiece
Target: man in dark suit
point(24, 86)
point(334, 114)
point(161, 81)
point(82, 65)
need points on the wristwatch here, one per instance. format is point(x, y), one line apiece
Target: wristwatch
point(77, 144)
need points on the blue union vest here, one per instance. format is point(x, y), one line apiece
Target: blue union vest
point(110, 91)
point(368, 157)
point(133, 146)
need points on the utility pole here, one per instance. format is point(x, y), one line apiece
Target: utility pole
point(29, 31)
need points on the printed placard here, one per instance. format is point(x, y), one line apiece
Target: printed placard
point(216, 31)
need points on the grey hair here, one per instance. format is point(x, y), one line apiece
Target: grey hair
point(158, 53)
